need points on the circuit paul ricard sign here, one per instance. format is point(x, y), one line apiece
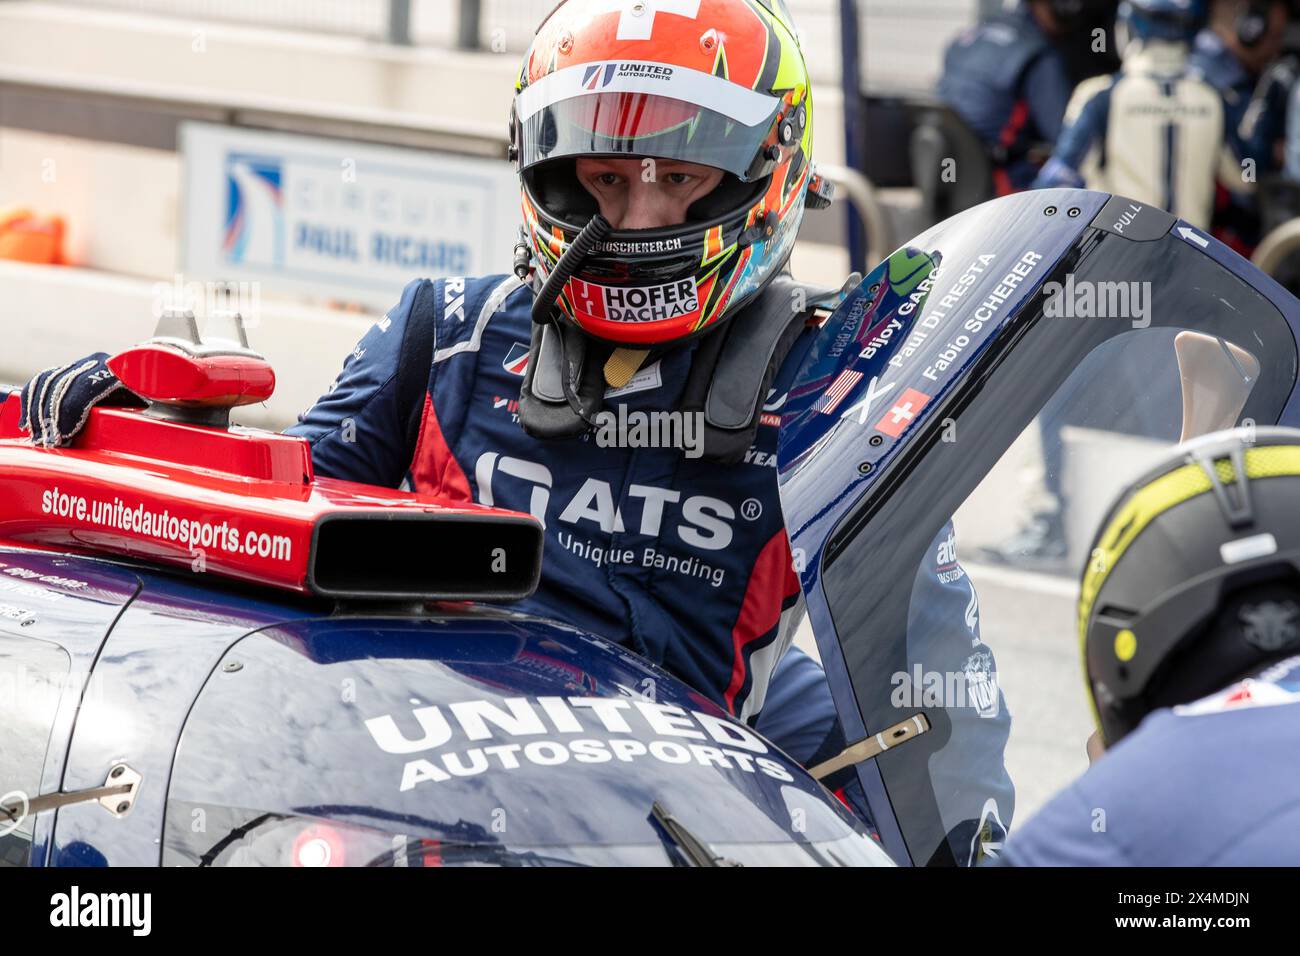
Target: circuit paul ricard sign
point(333, 219)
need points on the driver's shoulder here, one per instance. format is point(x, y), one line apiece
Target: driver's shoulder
point(459, 308)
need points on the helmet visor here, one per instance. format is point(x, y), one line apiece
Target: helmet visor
point(701, 119)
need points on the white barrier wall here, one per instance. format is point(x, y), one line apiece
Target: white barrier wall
point(119, 202)
point(51, 315)
point(121, 205)
point(472, 91)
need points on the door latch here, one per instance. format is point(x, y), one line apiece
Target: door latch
point(117, 795)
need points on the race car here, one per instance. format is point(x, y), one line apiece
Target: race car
point(214, 658)
point(222, 660)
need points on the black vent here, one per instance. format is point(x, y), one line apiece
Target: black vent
point(432, 557)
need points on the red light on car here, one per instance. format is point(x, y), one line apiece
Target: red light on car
point(319, 845)
point(431, 853)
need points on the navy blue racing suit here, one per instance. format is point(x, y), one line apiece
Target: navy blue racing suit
point(684, 560)
point(1010, 84)
point(1214, 783)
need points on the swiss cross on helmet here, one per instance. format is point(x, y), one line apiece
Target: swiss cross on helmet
point(721, 83)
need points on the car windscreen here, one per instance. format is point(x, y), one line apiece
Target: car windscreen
point(1128, 348)
point(481, 729)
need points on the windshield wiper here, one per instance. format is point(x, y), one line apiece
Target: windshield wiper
point(462, 852)
point(696, 851)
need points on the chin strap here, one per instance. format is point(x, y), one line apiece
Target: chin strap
point(733, 369)
point(730, 375)
point(622, 365)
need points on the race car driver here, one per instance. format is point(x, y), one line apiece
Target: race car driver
point(665, 160)
point(1190, 624)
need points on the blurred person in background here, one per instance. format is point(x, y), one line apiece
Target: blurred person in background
point(1234, 53)
point(1291, 157)
point(1008, 79)
point(1152, 132)
point(1189, 617)
point(1279, 82)
point(1090, 48)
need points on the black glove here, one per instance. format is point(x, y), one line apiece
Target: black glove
point(57, 402)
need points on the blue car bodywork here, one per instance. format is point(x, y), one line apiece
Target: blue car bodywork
point(377, 735)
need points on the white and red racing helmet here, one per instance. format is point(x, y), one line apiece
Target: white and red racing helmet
point(720, 83)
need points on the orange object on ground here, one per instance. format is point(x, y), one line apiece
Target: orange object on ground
point(26, 237)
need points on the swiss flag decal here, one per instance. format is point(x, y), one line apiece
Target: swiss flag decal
point(907, 407)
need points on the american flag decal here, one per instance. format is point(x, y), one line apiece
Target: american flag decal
point(831, 398)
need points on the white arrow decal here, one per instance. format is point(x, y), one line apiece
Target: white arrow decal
point(1192, 236)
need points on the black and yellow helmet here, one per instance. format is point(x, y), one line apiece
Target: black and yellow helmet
point(1194, 578)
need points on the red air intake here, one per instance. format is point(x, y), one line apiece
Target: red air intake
point(243, 503)
point(161, 373)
